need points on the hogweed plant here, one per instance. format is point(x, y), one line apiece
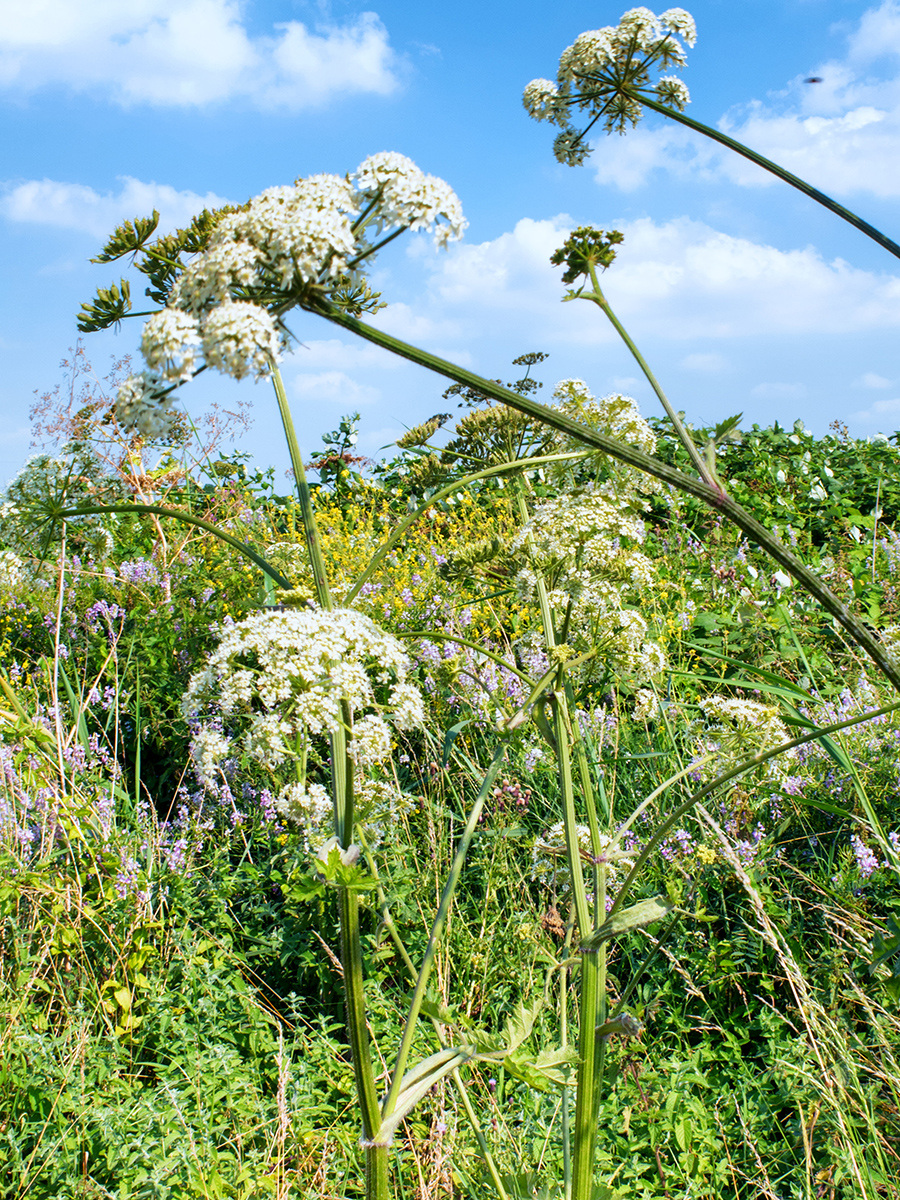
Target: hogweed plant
point(315, 694)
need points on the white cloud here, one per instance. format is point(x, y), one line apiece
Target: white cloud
point(75, 206)
point(881, 408)
point(842, 135)
point(779, 391)
point(706, 363)
point(371, 441)
point(334, 387)
point(189, 52)
point(871, 380)
point(336, 354)
point(678, 280)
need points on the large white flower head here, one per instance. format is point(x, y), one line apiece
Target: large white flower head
point(240, 338)
point(585, 544)
point(736, 729)
point(301, 233)
point(404, 196)
point(602, 69)
point(278, 678)
point(210, 279)
point(617, 416)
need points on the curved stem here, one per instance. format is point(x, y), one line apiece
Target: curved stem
point(310, 528)
point(767, 165)
point(685, 438)
point(448, 490)
point(713, 496)
point(189, 519)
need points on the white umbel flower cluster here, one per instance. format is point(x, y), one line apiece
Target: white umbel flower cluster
point(239, 338)
point(264, 258)
point(11, 570)
point(736, 729)
point(278, 679)
point(594, 71)
point(406, 197)
point(141, 406)
point(169, 342)
point(540, 99)
point(617, 416)
point(584, 544)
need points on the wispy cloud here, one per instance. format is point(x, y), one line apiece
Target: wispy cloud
point(871, 380)
point(190, 52)
point(878, 411)
point(75, 206)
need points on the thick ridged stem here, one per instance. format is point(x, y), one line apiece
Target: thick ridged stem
point(713, 496)
point(342, 795)
point(767, 165)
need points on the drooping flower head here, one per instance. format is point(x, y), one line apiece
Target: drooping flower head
point(603, 72)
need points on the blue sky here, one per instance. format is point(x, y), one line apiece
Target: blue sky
point(743, 294)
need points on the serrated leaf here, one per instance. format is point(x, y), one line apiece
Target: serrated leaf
point(543, 1071)
point(437, 1012)
point(637, 917)
point(520, 1023)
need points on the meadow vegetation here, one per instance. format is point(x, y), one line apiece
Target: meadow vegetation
point(515, 815)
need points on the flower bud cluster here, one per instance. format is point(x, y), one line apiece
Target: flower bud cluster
point(223, 309)
point(603, 67)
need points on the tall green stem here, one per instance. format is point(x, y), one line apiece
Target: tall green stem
point(713, 496)
point(685, 438)
point(310, 528)
point(591, 976)
point(767, 165)
point(342, 796)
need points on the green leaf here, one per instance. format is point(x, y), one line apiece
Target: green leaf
point(418, 1082)
point(550, 1068)
point(760, 671)
point(627, 919)
point(449, 738)
point(520, 1023)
